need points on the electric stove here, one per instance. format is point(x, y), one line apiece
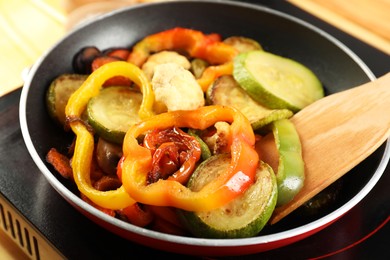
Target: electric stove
point(45, 226)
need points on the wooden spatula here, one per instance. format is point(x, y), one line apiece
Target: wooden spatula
point(337, 133)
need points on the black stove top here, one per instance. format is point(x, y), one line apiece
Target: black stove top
point(362, 233)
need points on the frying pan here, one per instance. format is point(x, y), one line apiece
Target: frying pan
point(337, 67)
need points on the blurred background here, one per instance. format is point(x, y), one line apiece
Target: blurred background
point(28, 28)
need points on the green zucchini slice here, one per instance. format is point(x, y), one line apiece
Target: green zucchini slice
point(58, 94)
point(198, 66)
point(245, 216)
point(227, 92)
point(243, 44)
point(113, 111)
point(275, 81)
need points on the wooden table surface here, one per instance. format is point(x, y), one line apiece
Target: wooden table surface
point(29, 28)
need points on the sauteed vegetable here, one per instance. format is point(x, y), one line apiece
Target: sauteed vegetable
point(174, 133)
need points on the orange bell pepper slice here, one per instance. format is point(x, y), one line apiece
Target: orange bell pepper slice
point(195, 43)
point(213, 72)
point(230, 184)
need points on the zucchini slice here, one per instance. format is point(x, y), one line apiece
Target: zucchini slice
point(243, 44)
point(113, 111)
point(275, 81)
point(198, 66)
point(227, 92)
point(245, 216)
point(58, 94)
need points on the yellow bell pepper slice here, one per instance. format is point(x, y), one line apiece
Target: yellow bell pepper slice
point(81, 162)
